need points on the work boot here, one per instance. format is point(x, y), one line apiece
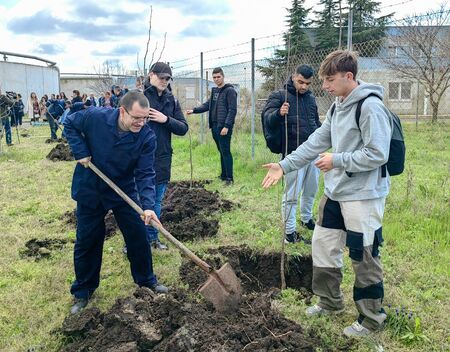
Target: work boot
point(79, 305)
point(318, 310)
point(228, 181)
point(160, 246)
point(158, 288)
point(310, 225)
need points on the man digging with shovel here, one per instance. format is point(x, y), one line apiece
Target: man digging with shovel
point(119, 142)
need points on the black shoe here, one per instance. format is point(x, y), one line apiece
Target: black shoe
point(310, 225)
point(305, 240)
point(221, 177)
point(79, 305)
point(158, 288)
point(158, 245)
point(291, 237)
point(228, 181)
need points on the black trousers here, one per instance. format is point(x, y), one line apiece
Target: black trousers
point(89, 247)
point(223, 145)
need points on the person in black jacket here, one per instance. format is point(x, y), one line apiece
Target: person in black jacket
point(302, 118)
point(165, 118)
point(222, 107)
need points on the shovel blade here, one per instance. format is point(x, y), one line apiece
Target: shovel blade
point(223, 298)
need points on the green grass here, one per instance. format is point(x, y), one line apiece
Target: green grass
point(35, 192)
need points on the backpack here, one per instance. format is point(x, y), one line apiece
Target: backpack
point(397, 149)
point(271, 135)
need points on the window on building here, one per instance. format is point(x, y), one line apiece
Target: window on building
point(400, 90)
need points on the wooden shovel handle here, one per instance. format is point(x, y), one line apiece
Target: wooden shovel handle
point(203, 265)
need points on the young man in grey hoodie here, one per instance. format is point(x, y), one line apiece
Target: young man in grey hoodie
point(351, 210)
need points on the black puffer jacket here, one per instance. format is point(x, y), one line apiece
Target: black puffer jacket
point(225, 108)
point(176, 124)
point(302, 119)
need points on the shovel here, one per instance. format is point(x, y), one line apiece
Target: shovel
point(222, 289)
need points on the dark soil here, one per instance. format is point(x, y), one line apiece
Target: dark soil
point(40, 249)
point(177, 322)
point(258, 272)
point(111, 227)
point(61, 152)
point(57, 140)
point(24, 134)
point(186, 211)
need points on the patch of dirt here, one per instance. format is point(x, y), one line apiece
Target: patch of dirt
point(61, 152)
point(40, 249)
point(24, 134)
point(186, 211)
point(177, 322)
point(111, 227)
point(258, 272)
point(57, 140)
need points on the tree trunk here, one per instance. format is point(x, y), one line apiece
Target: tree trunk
point(435, 108)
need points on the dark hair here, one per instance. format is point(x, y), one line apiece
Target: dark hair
point(128, 100)
point(218, 70)
point(76, 92)
point(305, 70)
point(341, 61)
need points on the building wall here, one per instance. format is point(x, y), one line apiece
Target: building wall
point(25, 79)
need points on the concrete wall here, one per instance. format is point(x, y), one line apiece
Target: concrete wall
point(25, 78)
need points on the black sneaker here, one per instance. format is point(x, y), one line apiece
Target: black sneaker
point(310, 225)
point(79, 305)
point(291, 237)
point(158, 288)
point(228, 181)
point(160, 246)
point(305, 240)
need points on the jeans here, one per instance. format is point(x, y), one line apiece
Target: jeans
point(152, 233)
point(6, 125)
point(88, 248)
point(223, 145)
point(304, 180)
point(53, 126)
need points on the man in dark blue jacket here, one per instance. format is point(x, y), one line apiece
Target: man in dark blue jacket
point(54, 112)
point(120, 144)
point(222, 107)
point(300, 114)
point(165, 118)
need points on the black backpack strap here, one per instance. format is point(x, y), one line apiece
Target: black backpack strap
point(333, 108)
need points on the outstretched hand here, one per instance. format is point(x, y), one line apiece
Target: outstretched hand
point(274, 174)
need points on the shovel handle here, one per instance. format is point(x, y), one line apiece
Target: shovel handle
point(203, 265)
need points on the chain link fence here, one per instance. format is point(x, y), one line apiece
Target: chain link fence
point(406, 97)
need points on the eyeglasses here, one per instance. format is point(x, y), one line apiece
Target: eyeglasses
point(164, 78)
point(136, 118)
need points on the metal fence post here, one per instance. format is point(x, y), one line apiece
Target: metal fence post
point(201, 99)
point(253, 98)
point(417, 105)
point(350, 29)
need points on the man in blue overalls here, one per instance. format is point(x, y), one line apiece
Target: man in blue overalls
point(121, 145)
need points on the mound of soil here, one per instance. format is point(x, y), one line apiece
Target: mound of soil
point(176, 322)
point(61, 152)
point(111, 227)
point(258, 272)
point(186, 211)
point(40, 249)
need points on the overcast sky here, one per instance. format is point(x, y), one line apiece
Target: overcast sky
point(79, 35)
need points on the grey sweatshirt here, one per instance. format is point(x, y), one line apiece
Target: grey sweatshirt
point(361, 151)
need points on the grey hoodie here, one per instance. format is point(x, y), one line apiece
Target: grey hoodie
point(361, 151)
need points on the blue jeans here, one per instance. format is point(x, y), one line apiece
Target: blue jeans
point(88, 248)
point(7, 127)
point(223, 145)
point(152, 233)
point(304, 181)
point(53, 126)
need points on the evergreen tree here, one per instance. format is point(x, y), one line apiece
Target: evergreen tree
point(366, 27)
point(328, 21)
point(296, 42)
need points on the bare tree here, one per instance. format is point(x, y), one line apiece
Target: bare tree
point(145, 66)
point(422, 53)
point(111, 72)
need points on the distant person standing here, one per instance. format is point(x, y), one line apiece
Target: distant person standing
point(5, 106)
point(76, 96)
point(33, 108)
point(222, 107)
point(92, 99)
